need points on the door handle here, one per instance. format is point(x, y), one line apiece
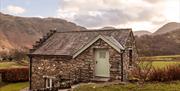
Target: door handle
point(96, 62)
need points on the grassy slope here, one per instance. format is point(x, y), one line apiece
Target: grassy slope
point(14, 86)
point(132, 87)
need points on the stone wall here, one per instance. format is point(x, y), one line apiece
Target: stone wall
point(55, 66)
point(130, 45)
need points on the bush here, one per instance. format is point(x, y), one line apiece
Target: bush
point(15, 74)
point(140, 72)
point(17, 55)
point(170, 73)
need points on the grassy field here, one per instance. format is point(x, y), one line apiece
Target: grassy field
point(162, 58)
point(162, 61)
point(4, 65)
point(163, 64)
point(173, 86)
point(14, 86)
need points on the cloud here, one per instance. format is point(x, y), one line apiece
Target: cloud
point(93, 13)
point(154, 1)
point(12, 9)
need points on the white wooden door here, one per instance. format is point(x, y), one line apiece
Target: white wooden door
point(102, 63)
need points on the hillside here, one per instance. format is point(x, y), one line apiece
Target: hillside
point(21, 33)
point(142, 32)
point(167, 28)
point(164, 44)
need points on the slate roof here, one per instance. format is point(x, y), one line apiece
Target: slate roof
point(68, 43)
point(114, 41)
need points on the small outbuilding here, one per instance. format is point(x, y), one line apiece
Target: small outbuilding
point(84, 56)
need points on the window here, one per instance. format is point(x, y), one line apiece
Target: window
point(102, 54)
point(48, 81)
point(130, 57)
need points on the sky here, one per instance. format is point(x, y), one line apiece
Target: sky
point(136, 14)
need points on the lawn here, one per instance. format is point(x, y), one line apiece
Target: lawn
point(14, 86)
point(173, 86)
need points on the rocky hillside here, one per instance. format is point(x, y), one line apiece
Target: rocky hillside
point(21, 33)
point(167, 28)
point(161, 44)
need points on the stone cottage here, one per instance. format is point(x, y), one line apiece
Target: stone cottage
point(88, 55)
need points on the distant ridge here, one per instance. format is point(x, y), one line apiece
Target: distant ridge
point(171, 26)
point(21, 32)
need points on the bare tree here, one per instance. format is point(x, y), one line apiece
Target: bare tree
point(142, 70)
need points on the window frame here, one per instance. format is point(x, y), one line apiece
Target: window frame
point(130, 57)
point(102, 54)
point(48, 81)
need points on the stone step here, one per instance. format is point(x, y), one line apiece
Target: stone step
point(100, 79)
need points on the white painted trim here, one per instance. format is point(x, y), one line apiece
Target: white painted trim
point(94, 40)
point(50, 81)
point(47, 83)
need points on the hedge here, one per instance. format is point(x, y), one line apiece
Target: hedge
point(15, 74)
point(170, 73)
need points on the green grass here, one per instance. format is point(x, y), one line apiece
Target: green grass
point(162, 61)
point(162, 64)
point(4, 65)
point(162, 58)
point(14, 86)
point(175, 86)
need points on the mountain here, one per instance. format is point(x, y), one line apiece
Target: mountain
point(167, 28)
point(22, 32)
point(108, 27)
point(161, 44)
point(142, 32)
point(165, 41)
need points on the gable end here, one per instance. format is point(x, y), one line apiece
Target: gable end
point(109, 40)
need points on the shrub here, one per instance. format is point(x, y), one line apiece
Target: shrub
point(141, 71)
point(169, 73)
point(15, 74)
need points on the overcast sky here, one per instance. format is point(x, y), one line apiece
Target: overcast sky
point(136, 14)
